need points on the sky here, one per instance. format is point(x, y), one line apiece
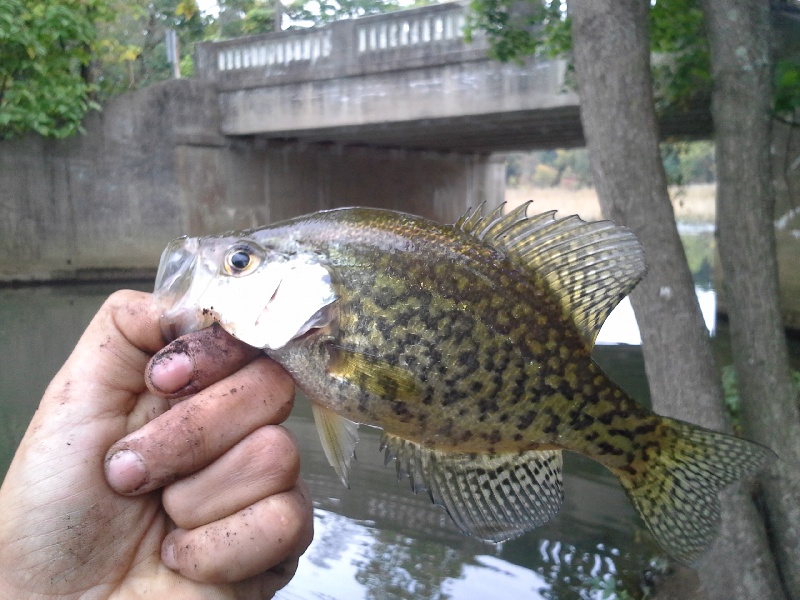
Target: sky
point(208, 7)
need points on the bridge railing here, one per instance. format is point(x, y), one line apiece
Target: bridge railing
point(404, 39)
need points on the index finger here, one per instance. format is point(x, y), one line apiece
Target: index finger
point(195, 361)
point(198, 430)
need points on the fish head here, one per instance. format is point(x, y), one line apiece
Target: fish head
point(263, 294)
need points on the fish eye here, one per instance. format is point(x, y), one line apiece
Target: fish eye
point(241, 259)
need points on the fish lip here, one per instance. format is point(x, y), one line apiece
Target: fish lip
point(175, 267)
point(176, 270)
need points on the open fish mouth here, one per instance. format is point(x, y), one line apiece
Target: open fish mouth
point(175, 281)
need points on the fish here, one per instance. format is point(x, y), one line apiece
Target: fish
point(470, 346)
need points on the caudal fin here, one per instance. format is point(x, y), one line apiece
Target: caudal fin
point(676, 492)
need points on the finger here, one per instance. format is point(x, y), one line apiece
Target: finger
point(199, 430)
point(110, 355)
point(265, 463)
point(245, 544)
point(195, 361)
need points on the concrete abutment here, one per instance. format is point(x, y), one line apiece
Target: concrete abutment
point(153, 166)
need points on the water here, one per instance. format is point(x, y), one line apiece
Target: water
point(378, 540)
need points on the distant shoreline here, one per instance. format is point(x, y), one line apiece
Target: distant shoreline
point(694, 203)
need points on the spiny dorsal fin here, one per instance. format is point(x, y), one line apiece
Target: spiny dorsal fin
point(493, 497)
point(339, 437)
point(589, 266)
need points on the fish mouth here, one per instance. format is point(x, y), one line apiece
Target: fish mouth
point(176, 281)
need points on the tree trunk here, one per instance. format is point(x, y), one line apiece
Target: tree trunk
point(739, 34)
point(612, 63)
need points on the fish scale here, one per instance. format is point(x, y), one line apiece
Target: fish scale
point(470, 346)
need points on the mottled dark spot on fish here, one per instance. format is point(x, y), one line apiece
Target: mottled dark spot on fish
point(580, 420)
point(518, 392)
point(469, 359)
point(383, 325)
point(476, 387)
point(411, 339)
point(644, 428)
point(400, 409)
point(452, 395)
point(606, 448)
point(427, 399)
point(607, 417)
point(626, 433)
point(446, 429)
point(384, 299)
point(401, 319)
point(527, 419)
point(555, 422)
point(488, 405)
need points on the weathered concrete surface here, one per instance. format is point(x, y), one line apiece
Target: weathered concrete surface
point(153, 166)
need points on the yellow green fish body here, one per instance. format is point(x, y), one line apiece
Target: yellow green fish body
point(470, 346)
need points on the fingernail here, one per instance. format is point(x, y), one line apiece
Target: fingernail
point(171, 372)
point(126, 471)
point(168, 555)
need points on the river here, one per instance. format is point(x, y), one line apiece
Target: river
point(378, 540)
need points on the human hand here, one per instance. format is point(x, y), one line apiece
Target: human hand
point(122, 491)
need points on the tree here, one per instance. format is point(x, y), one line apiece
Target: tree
point(611, 58)
point(44, 51)
point(739, 34)
point(612, 64)
point(246, 17)
point(131, 48)
point(320, 12)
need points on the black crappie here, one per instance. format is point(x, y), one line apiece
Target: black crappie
point(469, 345)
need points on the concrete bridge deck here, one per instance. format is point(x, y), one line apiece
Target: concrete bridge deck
point(407, 79)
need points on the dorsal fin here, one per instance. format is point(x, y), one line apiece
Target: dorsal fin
point(590, 267)
point(493, 497)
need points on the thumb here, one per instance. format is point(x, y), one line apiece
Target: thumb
point(106, 369)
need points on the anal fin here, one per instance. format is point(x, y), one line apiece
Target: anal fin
point(339, 437)
point(492, 497)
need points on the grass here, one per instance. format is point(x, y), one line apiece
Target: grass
point(692, 203)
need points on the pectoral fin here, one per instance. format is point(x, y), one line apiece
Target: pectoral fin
point(339, 437)
point(372, 374)
point(492, 497)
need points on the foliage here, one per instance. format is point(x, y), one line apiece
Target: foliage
point(321, 12)
point(550, 168)
point(685, 163)
point(689, 162)
point(681, 59)
point(243, 17)
point(730, 387)
point(518, 29)
point(45, 47)
point(787, 89)
point(681, 64)
point(131, 52)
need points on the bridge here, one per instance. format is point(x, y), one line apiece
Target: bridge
point(396, 111)
point(407, 79)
